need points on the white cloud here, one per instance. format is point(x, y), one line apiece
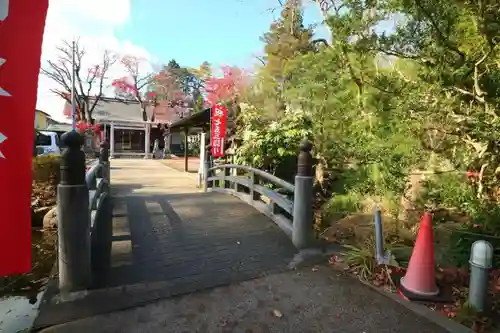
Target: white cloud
point(93, 22)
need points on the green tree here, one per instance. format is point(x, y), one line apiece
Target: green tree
point(178, 85)
point(287, 38)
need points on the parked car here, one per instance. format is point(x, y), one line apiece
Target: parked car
point(47, 143)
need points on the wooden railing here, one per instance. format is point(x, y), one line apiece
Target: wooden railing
point(288, 205)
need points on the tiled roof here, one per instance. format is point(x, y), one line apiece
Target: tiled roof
point(112, 109)
point(117, 110)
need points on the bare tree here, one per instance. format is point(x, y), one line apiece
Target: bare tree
point(132, 85)
point(86, 80)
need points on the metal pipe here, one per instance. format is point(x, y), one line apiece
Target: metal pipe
point(210, 157)
point(379, 236)
point(73, 106)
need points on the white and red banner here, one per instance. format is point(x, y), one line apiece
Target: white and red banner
point(22, 23)
point(218, 131)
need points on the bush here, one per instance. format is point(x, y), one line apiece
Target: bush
point(194, 144)
point(455, 193)
point(46, 169)
point(269, 145)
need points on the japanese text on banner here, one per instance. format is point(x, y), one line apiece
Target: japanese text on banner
point(218, 131)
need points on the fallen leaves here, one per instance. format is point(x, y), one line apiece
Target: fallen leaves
point(333, 260)
point(277, 313)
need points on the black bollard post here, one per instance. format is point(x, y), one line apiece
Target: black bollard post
point(73, 217)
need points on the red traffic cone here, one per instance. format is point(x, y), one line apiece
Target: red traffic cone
point(420, 278)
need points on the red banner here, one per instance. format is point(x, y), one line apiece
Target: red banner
point(21, 31)
point(219, 117)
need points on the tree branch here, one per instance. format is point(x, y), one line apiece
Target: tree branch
point(442, 38)
point(60, 71)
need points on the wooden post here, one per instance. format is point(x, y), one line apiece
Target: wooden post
point(186, 149)
point(112, 141)
point(147, 137)
point(207, 167)
point(201, 168)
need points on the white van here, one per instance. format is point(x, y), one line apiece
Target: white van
point(47, 143)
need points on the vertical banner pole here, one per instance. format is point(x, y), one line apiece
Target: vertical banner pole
point(73, 106)
point(211, 158)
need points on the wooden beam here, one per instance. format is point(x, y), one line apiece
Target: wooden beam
point(186, 149)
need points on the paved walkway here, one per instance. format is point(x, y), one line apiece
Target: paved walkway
point(164, 228)
point(225, 262)
point(307, 301)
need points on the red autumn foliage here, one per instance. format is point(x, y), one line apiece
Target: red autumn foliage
point(131, 85)
point(125, 85)
point(227, 87)
point(472, 174)
point(83, 127)
point(166, 88)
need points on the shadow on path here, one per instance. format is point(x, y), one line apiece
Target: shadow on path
point(160, 246)
point(210, 238)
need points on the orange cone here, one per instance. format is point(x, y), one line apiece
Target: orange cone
point(420, 278)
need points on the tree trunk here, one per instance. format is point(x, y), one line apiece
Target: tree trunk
point(407, 209)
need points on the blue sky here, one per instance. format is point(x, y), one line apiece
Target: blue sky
point(193, 31)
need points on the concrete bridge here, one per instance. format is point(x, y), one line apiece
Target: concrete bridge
point(163, 255)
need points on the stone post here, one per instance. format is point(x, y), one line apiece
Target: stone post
point(73, 217)
point(303, 233)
